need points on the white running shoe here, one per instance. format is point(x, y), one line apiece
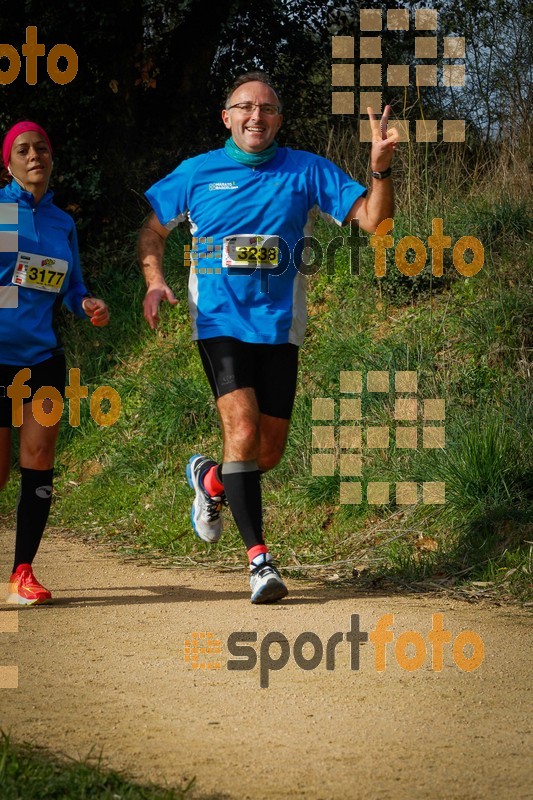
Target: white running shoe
point(205, 512)
point(265, 580)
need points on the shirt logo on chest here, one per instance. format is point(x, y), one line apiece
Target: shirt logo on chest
point(222, 186)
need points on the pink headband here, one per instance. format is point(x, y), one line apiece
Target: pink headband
point(16, 130)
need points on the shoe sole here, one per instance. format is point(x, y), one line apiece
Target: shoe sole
point(270, 592)
point(17, 600)
point(190, 481)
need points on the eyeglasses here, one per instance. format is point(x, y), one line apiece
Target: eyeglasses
point(265, 108)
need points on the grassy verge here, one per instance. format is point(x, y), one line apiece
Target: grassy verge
point(468, 339)
point(32, 773)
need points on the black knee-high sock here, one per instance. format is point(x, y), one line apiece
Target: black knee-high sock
point(32, 512)
point(242, 485)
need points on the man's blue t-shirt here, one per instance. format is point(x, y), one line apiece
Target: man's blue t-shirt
point(248, 225)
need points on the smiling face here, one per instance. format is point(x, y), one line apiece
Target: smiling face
point(253, 131)
point(31, 162)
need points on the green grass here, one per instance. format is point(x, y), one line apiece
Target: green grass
point(31, 773)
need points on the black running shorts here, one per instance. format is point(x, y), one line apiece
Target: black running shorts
point(270, 369)
point(47, 373)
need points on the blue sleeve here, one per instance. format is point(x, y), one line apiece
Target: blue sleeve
point(168, 197)
point(76, 290)
point(335, 192)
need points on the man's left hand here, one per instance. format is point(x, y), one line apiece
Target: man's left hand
point(383, 140)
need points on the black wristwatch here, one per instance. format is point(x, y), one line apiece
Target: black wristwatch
point(381, 175)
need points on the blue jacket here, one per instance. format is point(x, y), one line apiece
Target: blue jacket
point(28, 334)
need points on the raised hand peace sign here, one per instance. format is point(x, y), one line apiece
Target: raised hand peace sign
point(383, 140)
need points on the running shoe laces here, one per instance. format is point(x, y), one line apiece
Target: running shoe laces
point(205, 512)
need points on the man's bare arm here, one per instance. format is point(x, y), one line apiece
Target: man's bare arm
point(379, 204)
point(150, 250)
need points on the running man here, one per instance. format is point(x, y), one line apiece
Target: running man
point(249, 204)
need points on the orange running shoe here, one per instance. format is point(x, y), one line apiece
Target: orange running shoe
point(25, 589)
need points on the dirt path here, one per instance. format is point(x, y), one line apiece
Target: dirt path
point(104, 668)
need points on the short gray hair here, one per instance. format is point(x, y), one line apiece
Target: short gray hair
point(248, 77)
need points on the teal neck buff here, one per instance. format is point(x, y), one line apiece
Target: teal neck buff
point(250, 159)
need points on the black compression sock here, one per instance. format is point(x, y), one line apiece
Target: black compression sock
point(32, 512)
point(242, 485)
